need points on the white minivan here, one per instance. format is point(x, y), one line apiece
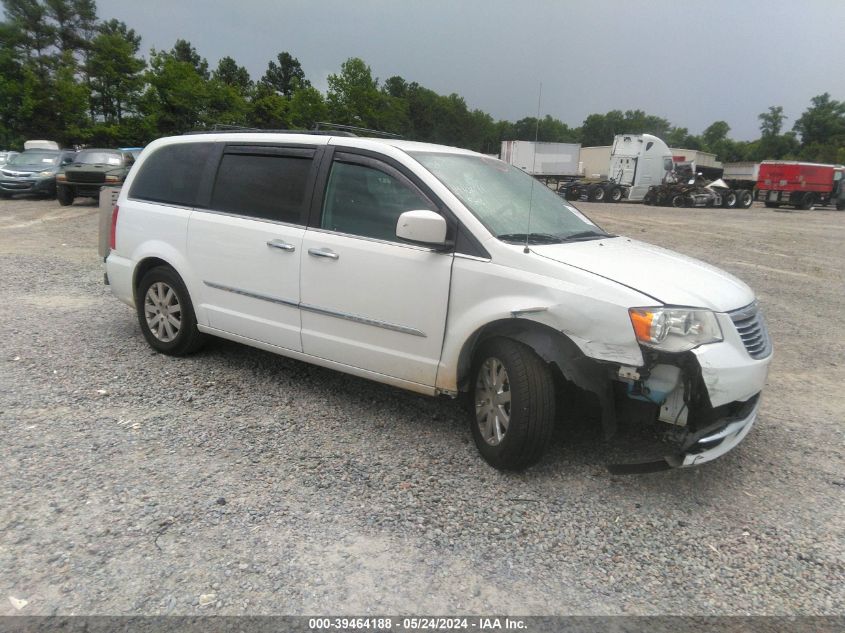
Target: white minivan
point(437, 270)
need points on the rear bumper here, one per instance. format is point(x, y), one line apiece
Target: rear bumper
point(718, 439)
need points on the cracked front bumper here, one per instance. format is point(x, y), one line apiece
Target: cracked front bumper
point(718, 439)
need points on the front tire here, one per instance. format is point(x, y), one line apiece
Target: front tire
point(514, 404)
point(64, 195)
point(166, 314)
point(615, 193)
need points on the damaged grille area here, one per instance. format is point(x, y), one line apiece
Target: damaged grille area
point(94, 177)
point(752, 330)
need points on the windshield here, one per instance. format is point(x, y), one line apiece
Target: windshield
point(499, 196)
point(98, 157)
point(35, 159)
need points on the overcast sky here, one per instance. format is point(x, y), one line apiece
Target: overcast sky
point(690, 62)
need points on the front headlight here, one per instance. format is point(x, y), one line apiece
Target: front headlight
point(675, 329)
point(45, 174)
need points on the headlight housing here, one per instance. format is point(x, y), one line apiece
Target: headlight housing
point(675, 329)
point(45, 174)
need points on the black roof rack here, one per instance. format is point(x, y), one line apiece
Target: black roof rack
point(332, 129)
point(353, 129)
point(220, 127)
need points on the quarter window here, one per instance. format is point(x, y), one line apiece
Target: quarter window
point(266, 186)
point(172, 174)
point(364, 200)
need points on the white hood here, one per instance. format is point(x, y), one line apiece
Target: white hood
point(669, 277)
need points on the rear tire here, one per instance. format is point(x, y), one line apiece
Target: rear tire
point(513, 404)
point(729, 199)
point(744, 199)
point(64, 195)
point(678, 201)
point(807, 201)
point(166, 314)
point(595, 193)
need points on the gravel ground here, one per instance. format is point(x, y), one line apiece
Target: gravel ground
point(236, 481)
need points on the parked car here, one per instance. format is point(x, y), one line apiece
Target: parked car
point(437, 270)
point(90, 170)
point(33, 171)
point(135, 151)
point(6, 156)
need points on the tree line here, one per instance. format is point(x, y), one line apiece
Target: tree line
point(68, 76)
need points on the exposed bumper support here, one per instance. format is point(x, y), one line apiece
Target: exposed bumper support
point(701, 447)
point(715, 443)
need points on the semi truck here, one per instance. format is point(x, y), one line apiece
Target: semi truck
point(692, 186)
point(637, 162)
point(802, 185)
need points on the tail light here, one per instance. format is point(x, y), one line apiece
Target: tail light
point(113, 232)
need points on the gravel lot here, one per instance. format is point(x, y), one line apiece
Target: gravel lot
point(236, 481)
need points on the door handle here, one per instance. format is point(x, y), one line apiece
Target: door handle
point(281, 245)
point(323, 252)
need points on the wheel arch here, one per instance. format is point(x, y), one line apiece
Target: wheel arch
point(146, 265)
point(555, 348)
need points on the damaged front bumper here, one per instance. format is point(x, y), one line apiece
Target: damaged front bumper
point(716, 440)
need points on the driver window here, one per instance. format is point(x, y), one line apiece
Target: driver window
point(363, 200)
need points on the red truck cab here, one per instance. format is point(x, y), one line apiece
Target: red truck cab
point(802, 185)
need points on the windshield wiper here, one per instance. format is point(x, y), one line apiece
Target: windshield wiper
point(531, 238)
point(586, 235)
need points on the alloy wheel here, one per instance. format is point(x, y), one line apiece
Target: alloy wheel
point(492, 401)
point(163, 312)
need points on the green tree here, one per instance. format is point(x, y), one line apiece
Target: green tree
point(353, 96)
point(306, 108)
point(771, 122)
point(230, 74)
point(115, 72)
point(267, 109)
point(74, 24)
point(183, 51)
point(286, 76)
point(177, 95)
point(822, 129)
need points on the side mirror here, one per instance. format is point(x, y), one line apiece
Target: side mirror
point(425, 228)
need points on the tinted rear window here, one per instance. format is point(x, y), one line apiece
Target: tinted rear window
point(266, 186)
point(172, 174)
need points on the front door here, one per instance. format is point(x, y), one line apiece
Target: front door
point(367, 299)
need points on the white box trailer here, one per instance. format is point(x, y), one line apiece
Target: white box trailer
point(543, 159)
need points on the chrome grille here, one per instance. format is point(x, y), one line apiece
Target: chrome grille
point(751, 326)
